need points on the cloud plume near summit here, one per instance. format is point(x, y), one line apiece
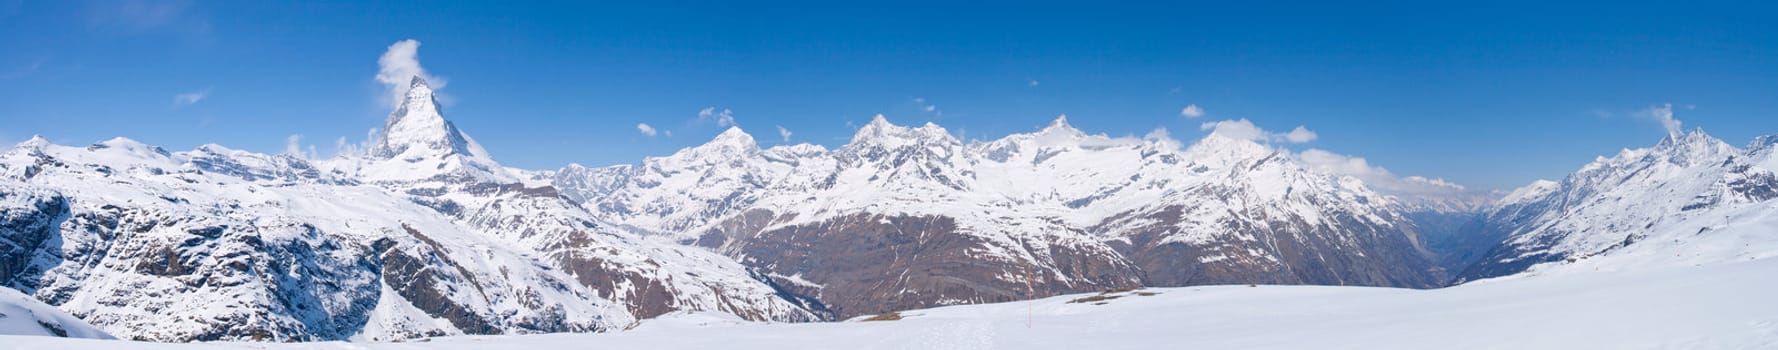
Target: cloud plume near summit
point(397, 68)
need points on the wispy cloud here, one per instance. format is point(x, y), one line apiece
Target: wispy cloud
point(1663, 114)
point(1243, 129)
point(927, 107)
point(1387, 182)
point(293, 147)
point(784, 133)
point(139, 16)
point(190, 98)
point(1031, 83)
point(397, 68)
point(646, 129)
point(725, 117)
point(1192, 111)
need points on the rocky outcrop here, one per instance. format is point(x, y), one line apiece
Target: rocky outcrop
point(867, 263)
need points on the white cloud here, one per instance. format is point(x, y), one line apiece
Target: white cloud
point(1664, 114)
point(784, 133)
point(928, 107)
point(398, 67)
point(645, 129)
point(190, 98)
point(1191, 111)
point(1377, 177)
point(1243, 129)
point(723, 118)
point(1299, 135)
point(1032, 83)
point(293, 146)
point(341, 147)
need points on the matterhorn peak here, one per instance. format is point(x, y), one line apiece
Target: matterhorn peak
point(417, 122)
point(417, 131)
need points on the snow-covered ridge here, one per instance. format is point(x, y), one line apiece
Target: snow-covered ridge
point(424, 236)
point(1058, 169)
point(1689, 199)
point(1060, 208)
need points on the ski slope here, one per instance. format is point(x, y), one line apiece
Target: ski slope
point(1718, 306)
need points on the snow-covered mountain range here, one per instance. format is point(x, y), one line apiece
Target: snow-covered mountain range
point(1054, 211)
point(425, 234)
point(1690, 199)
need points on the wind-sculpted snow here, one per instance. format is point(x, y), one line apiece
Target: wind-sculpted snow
point(1691, 199)
point(1059, 209)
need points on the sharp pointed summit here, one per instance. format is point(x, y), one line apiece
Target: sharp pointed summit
point(1060, 126)
point(417, 132)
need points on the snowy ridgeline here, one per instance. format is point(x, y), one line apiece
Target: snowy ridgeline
point(1722, 306)
point(425, 235)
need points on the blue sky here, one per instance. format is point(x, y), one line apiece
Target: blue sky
point(1491, 96)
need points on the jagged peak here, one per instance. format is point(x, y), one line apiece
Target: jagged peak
point(419, 82)
point(879, 126)
point(1691, 146)
point(1762, 142)
point(419, 123)
point(1696, 135)
point(417, 143)
point(879, 121)
point(880, 133)
point(1060, 122)
point(1060, 126)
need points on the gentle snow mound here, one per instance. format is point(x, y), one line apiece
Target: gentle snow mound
point(22, 315)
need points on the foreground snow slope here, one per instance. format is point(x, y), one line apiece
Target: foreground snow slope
point(22, 315)
point(1720, 306)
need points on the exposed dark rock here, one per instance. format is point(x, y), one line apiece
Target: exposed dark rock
point(869, 264)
